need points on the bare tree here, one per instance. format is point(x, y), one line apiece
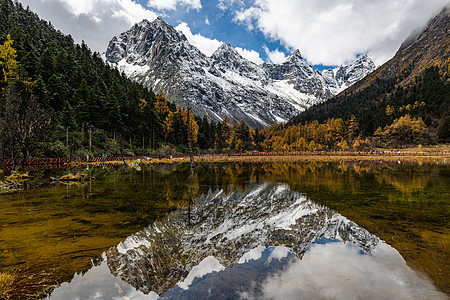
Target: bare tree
point(23, 123)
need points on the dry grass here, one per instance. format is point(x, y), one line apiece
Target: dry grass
point(6, 284)
point(308, 157)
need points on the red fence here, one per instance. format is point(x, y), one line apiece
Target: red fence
point(61, 161)
point(56, 163)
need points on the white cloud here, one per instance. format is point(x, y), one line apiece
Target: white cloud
point(172, 4)
point(206, 20)
point(251, 55)
point(339, 271)
point(226, 4)
point(94, 21)
point(79, 7)
point(333, 32)
point(204, 44)
point(208, 46)
point(208, 265)
point(275, 56)
point(132, 12)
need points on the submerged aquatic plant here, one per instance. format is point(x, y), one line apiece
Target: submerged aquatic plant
point(13, 182)
point(73, 177)
point(26, 283)
point(6, 284)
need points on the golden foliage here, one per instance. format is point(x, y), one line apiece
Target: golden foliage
point(168, 123)
point(142, 103)
point(10, 66)
point(8, 62)
point(190, 122)
point(161, 105)
point(389, 110)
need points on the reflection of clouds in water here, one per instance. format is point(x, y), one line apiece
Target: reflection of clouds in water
point(278, 253)
point(253, 254)
point(206, 266)
point(342, 271)
point(259, 237)
point(333, 270)
point(99, 283)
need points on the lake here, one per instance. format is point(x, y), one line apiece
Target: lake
point(341, 230)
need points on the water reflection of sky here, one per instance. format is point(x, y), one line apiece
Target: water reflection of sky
point(267, 243)
point(331, 270)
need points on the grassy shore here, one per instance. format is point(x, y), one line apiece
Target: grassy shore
point(437, 153)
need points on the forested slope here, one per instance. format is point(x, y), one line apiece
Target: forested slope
point(91, 107)
point(414, 82)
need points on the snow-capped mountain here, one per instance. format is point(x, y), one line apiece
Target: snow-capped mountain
point(345, 76)
point(225, 84)
point(228, 227)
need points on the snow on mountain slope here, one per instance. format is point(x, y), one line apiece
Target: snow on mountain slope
point(225, 84)
point(228, 227)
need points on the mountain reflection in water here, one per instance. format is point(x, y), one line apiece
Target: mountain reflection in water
point(265, 243)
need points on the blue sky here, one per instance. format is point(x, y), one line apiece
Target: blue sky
point(327, 32)
point(217, 22)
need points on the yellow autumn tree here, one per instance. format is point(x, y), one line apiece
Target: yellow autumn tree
point(168, 124)
point(9, 66)
point(161, 105)
point(142, 103)
point(407, 131)
point(352, 127)
point(193, 123)
point(8, 63)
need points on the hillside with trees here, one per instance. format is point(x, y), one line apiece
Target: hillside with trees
point(414, 83)
point(60, 99)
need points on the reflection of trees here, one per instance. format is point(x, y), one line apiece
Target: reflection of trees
point(406, 180)
point(333, 177)
point(406, 184)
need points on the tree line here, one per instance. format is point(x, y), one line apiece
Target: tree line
point(74, 103)
point(381, 103)
point(59, 99)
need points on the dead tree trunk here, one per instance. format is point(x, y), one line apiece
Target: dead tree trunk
point(191, 154)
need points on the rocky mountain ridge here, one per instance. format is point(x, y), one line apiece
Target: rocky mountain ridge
point(225, 84)
point(228, 227)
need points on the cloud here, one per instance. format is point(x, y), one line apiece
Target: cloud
point(341, 271)
point(208, 46)
point(79, 7)
point(251, 55)
point(206, 20)
point(94, 21)
point(204, 44)
point(333, 32)
point(172, 4)
point(275, 56)
point(227, 4)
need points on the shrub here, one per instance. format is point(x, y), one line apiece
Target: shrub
point(164, 151)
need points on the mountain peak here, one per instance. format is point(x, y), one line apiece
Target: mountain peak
point(222, 85)
point(226, 51)
point(158, 20)
point(295, 56)
point(226, 47)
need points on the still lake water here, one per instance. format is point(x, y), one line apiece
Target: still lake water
point(236, 231)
